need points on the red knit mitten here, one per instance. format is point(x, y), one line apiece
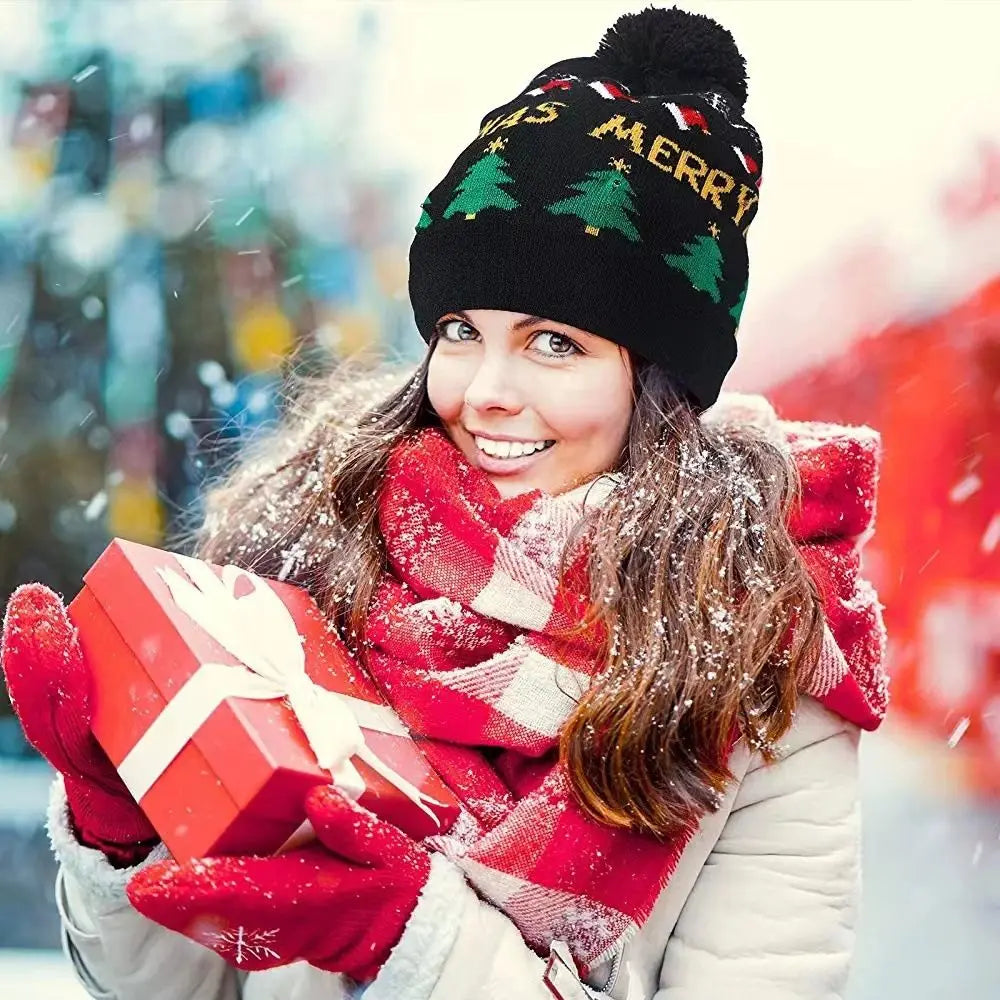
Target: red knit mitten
point(340, 903)
point(51, 690)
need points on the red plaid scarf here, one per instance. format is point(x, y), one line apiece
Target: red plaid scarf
point(464, 631)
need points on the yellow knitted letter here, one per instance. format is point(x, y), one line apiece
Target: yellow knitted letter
point(713, 189)
point(633, 134)
point(663, 162)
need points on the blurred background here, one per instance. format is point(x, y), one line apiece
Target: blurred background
point(191, 191)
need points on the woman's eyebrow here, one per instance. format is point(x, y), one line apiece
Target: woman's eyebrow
point(528, 321)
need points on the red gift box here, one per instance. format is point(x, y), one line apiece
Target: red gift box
point(219, 694)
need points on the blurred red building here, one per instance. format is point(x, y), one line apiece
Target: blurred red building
point(932, 388)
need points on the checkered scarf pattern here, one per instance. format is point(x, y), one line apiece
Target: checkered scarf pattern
point(467, 640)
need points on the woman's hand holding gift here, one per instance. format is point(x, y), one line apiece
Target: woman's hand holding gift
point(52, 693)
point(340, 903)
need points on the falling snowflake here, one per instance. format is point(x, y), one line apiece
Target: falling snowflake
point(992, 535)
point(965, 488)
point(958, 732)
point(95, 507)
point(242, 943)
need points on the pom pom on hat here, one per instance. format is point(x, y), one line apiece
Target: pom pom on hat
point(661, 50)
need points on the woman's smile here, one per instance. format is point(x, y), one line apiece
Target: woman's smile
point(507, 456)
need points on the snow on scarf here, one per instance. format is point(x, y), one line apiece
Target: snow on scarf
point(465, 642)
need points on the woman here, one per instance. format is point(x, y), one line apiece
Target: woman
point(640, 665)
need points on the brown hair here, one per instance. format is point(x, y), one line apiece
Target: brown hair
point(710, 612)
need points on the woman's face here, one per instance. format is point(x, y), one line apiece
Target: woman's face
point(533, 403)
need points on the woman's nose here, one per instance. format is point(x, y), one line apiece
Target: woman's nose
point(493, 386)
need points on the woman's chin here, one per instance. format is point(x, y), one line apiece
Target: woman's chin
point(513, 486)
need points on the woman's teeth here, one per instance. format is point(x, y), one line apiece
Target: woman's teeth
point(511, 449)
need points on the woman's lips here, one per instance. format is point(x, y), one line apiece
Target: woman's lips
point(507, 466)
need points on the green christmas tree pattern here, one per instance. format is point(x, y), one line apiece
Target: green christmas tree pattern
point(737, 309)
point(604, 201)
point(702, 263)
point(482, 186)
point(425, 219)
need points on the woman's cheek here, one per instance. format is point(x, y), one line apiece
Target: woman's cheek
point(445, 389)
point(590, 406)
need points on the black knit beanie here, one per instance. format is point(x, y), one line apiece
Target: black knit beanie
point(612, 194)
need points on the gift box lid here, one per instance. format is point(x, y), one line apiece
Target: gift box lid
point(129, 584)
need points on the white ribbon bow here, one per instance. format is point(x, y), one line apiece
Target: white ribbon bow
point(258, 630)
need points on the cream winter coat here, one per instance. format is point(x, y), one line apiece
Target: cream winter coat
point(760, 907)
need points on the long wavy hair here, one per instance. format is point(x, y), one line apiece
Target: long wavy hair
point(710, 614)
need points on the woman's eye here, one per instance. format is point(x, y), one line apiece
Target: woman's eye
point(456, 331)
point(448, 324)
point(561, 345)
